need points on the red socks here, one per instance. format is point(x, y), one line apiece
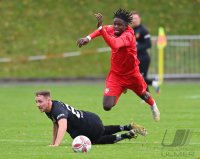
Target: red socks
point(150, 101)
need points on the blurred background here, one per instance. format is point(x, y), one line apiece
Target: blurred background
point(38, 38)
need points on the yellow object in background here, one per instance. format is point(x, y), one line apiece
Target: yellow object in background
point(161, 43)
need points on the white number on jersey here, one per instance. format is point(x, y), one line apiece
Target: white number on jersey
point(74, 111)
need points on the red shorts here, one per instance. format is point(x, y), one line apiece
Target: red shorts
point(116, 84)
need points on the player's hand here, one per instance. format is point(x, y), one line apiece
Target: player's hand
point(82, 41)
point(51, 145)
point(99, 19)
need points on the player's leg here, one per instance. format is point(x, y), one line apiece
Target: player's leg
point(112, 129)
point(109, 102)
point(112, 92)
point(111, 139)
point(146, 96)
point(139, 87)
point(154, 83)
point(144, 67)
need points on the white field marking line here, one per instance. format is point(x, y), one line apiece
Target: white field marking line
point(104, 49)
point(44, 57)
point(36, 58)
point(71, 54)
point(190, 143)
point(193, 97)
point(5, 60)
point(19, 141)
point(34, 141)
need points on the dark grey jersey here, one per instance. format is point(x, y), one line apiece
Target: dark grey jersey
point(143, 40)
point(78, 122)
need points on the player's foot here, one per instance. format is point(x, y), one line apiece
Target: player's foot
point(139, 129)
point(156, 113)
point(131, 134)
point(158, 90)
point(156, 85)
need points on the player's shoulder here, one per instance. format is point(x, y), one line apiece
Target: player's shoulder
point(144, 28)
point(108, 27)
point(57, 105)
point(59, 110)
point(128, 32)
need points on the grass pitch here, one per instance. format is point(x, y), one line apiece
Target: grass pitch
point(25, 132)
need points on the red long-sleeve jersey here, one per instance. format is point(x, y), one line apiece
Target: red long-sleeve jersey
point(124, 59)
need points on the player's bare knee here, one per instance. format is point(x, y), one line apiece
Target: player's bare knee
point(145, 96)
point(108, 102)
point(107, 106)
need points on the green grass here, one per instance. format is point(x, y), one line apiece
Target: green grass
point(30, 27)
point(48, 26)
point(25, 132)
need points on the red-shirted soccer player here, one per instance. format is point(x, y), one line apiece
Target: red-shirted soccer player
point(124, 72)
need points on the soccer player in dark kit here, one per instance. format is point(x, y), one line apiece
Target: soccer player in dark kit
point(143, 40)
point(124, 72)
point(66, 118)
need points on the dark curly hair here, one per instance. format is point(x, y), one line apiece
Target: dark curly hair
point(123, 14)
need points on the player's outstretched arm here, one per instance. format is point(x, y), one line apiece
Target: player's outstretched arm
point(54, 132)
point(62, 127)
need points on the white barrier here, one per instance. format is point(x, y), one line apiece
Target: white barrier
point(181, 56)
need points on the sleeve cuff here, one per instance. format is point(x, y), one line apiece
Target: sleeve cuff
point(100, 28)
point(88, 37)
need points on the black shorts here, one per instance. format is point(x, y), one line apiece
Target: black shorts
point(92, 127)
